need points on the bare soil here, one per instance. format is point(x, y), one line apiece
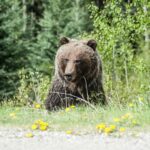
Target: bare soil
point(14, 139)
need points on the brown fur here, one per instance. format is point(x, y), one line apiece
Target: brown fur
point(78, 74)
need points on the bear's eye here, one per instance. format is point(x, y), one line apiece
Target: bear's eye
point(78, 61)
point(65, 61)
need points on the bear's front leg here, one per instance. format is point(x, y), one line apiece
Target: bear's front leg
point(56, 96)
point(59, 96)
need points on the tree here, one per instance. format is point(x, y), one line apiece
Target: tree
point(61, 18)
point(13, 51)
point(29, 34)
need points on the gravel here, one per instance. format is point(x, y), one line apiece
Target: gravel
point(14, 139)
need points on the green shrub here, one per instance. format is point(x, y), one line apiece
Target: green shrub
point(33, 88)
point(121, 30)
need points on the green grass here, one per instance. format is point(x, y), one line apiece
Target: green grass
point(81, 118)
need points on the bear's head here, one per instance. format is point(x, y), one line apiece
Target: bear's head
point(76, 59)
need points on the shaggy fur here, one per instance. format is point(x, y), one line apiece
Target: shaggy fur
point(78, 74)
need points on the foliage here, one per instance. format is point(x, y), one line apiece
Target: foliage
point(31, 39)
point(69, 18)
point(29, 34)
point(13, 51)
point(33, 88)
point(121, 30)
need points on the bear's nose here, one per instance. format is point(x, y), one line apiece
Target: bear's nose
point(68, 77)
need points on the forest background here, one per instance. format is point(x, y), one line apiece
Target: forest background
point(29, 38)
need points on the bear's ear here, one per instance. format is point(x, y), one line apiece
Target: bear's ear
point(92, 43)
point(63, 40)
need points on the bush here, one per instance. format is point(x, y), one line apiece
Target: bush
point(121, 30)
point(33, 88)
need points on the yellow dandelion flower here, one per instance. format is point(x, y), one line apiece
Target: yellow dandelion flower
point(43, 128)
point(12, 114)
point(122, 129)
point(29, 135)
point(141, 99)
point(38, 122)
point(34, 126)
point(67, 109)
point(134, 122)
point(69, 132)
point(37, 106)
point(116, 120)
point(101, 126)
point(107, 130)
point(44, 124)
point(123, 117)
point(41, 123)
point(112, 127)
point(127, 116)
point(131, 105)
point(72, 106)
point(17, 109)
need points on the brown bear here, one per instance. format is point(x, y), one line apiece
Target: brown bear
point(78, 75)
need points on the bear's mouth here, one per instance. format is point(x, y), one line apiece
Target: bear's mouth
point(70, 78)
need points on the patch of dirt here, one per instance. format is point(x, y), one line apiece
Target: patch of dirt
point(14, 139)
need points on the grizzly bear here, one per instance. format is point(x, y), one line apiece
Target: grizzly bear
point(78, 75)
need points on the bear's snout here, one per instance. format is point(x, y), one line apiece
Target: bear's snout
point(70, 71)
point(68, 76)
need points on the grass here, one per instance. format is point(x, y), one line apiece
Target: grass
point(81, 118)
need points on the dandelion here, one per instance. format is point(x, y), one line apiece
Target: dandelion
point(112, 127)
point(34, 126)
point(67, 109)
point(44, 124)
point(134, 122)
point(37, 106)
point(101, 126)
point(40, 124)
point(12, 115)
point(17, 109)
point(43, 128)
point(72, 106)
point(123, 117)
point(127, 116)
point(69, 132)
point(131, 105)
point(141, 99)
point(122, 129)
point(29, 135)
point(108, 130)
point(116, 120)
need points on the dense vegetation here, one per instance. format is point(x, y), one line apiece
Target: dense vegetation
point(122, 31)
point(29, 34)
